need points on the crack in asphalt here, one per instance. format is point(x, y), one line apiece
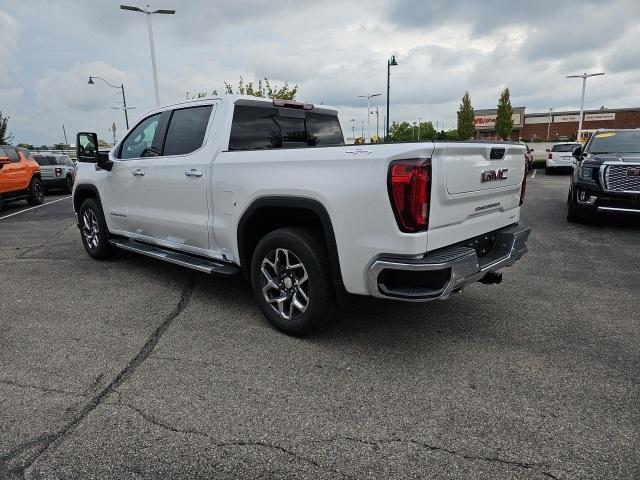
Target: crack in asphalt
point(235, 443)
point(22, 457)
point(41, 388)
point(434, 448)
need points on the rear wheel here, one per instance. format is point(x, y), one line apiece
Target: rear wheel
point(291, 281)
point(93, 230)
point(68, 186)
point(36, 192)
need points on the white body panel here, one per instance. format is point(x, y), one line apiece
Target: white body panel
point(561, 159)
point(350, 182)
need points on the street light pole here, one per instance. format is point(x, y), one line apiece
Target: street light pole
point(549, 124)
point(584, 77)
point(124, 98)
point(391, 62)
point(419, 120)
point(368, 96)
point(353, 129)
point(148, 13)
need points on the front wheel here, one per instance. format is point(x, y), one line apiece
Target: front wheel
point(93, 230)
point(36, 192)
point(291, 281)
point(575, 213)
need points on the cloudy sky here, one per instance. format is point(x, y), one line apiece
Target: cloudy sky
point(334, 51)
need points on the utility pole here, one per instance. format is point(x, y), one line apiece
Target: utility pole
point(549, 123)
point(419, 120)
point(353, 129)
point(391, 62)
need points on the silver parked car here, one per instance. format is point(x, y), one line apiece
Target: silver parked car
point(57, 171)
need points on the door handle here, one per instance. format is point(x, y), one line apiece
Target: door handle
point(137, 173)
point(193, 173)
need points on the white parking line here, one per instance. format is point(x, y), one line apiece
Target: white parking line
point(534, 174)
point(31, 208)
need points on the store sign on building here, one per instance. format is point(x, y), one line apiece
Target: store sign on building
point(488, 121)
point(565, 118)
point(591, 117)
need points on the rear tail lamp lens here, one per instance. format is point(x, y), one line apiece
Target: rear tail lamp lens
point(58, 172)
point(409, 186)
point(550, 156)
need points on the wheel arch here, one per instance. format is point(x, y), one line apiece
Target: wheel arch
point(82, 192)
point(264, 215)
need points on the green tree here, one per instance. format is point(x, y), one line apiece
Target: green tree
point(466, 127)
point(263, 89)
point(408, 132)
point(5, 137)
point(504, 119)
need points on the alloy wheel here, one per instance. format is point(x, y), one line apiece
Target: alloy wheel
point(286, 283)
point(90, 228)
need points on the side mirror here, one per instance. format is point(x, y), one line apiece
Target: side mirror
point(577, 153)
point(87, 147)
point(87, 151)
point(547, 150)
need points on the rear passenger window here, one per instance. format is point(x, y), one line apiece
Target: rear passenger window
point(255, 128)
point(187, 129)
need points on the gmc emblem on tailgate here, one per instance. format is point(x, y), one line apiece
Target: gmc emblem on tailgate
point(633, 172)
point(494, 175)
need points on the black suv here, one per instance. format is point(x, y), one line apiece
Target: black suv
point(607, 175)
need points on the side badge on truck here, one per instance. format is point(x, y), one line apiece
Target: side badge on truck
point(494, 175)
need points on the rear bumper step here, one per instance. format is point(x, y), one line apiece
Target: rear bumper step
point(440, 274)
point(190, 261)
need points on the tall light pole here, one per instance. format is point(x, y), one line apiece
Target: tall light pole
point(419, 120)
point(391, 62)
point(124, 99)
point(584, 77)
point(549, 124)
point(353, 129)
point(369, 96)
point(148, 13)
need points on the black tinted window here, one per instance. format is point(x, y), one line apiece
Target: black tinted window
point(622, 141)
point(324, 130)
point(186, 130)
point(267, 127)
point(12, 154)
point(565, 148)
point(45, 160)
point(253, 128)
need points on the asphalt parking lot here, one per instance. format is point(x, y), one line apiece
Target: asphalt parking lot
point(139, 369)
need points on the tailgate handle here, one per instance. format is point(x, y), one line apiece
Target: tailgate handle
point(496, 153)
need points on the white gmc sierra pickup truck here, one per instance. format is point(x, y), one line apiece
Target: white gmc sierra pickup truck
point(269, 187)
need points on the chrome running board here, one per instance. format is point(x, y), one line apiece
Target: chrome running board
point(183, 259)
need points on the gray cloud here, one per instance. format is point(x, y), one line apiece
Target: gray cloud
point(334, 50)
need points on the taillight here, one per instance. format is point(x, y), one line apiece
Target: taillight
point(58, 172)
point(409, 186)
point(550, 156)
point(524, 184)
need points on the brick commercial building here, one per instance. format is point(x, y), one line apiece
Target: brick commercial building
point(534, 126)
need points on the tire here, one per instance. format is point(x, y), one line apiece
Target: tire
point(575, 214)
point(68, 187)
point(273, 257)
point(36, 192)
point(94, 231)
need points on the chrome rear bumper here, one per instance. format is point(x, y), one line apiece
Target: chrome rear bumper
point(440, 274)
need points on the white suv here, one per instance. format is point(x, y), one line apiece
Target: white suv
point(560, 157)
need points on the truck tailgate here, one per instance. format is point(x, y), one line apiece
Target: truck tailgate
point(473, 167)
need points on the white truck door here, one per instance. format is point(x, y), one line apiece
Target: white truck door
point(125, 187)
point(179, 181)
